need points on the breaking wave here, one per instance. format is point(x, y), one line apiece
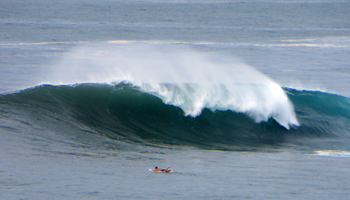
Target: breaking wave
point(126, 113)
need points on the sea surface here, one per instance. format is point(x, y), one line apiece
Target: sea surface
point(243, 99)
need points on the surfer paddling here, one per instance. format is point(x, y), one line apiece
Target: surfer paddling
point(167, 170)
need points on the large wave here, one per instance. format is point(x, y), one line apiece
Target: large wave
point(160, 95)
point(125, 113)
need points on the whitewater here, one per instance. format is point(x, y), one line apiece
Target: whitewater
point(243, 99)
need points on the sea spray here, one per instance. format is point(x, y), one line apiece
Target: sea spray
point(180, 76)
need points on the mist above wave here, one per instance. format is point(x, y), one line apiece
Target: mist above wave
point(180, 76)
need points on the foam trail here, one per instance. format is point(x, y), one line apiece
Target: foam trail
point(182, 77)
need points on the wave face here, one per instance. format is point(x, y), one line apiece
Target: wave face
point(321, 113)
point(127, 113)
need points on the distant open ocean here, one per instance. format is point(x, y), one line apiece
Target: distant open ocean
point(243, 99)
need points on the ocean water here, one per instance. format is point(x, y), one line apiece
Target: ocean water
point(243, 99)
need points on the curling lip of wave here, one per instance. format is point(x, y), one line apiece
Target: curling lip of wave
point(258, 101)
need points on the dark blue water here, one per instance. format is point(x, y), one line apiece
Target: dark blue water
point(243, 99)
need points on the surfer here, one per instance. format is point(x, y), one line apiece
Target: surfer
point(157, 169)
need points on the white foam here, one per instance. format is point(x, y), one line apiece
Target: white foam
point(180, 76)
point(332, 153)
